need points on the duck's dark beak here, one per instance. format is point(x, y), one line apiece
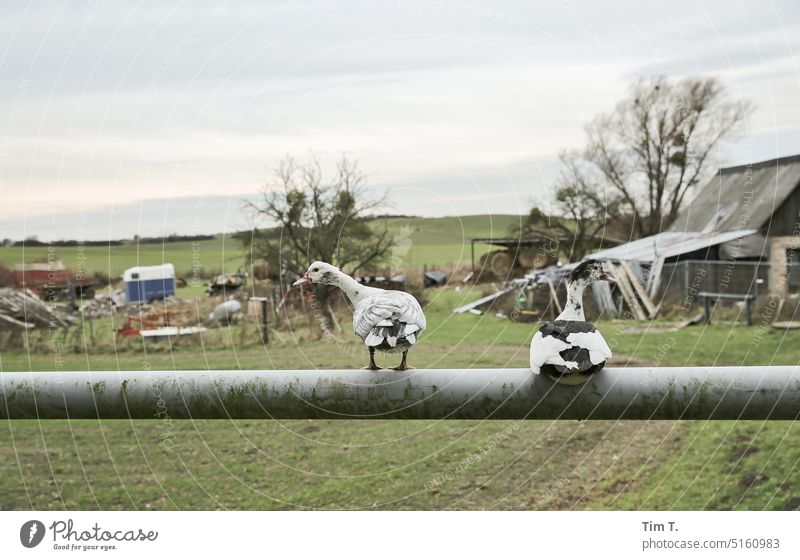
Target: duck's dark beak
point(606, 277)
point(304, 281)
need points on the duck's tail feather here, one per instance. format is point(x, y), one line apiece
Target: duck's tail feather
point(387, 334)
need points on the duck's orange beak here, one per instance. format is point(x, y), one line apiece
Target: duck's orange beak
point(304, 281)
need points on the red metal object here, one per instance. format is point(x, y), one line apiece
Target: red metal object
point(42, 277)
point(127, 328)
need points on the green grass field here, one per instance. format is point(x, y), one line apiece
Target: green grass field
point(439, 241)
point(402, 464)
point(213, 256)
point(418, 241)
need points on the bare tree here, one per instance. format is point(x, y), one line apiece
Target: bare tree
point(308, 219)
point(657, 143)
point(583, 208)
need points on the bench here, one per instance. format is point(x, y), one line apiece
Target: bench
point(708, 297)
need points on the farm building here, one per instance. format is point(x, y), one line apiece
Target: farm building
point(51, 278)
point(144, 284)
point(518, 253)
point(741, 231)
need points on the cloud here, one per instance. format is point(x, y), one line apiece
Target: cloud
point(107, 105)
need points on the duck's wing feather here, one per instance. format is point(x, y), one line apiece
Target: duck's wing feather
point(568, 343)
point(387, 317)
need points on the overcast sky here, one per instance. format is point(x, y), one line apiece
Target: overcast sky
point(155, 117)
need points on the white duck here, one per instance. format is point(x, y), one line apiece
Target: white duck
point(386, 320)
point(569, 350)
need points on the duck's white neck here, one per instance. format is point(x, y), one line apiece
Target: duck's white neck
point(352, 289)
point(573, 310)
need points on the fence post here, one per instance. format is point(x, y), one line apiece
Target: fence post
point(686, 280)
point(264, 326)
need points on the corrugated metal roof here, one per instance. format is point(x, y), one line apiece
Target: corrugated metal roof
point(741, 197)
point(668, 244)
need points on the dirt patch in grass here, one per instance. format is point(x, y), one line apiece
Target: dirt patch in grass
point(752, 479)
point(740, 452)
point(792, 504)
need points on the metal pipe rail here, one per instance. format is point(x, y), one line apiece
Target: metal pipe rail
point(641, 393)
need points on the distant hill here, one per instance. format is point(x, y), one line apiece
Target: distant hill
point(417, 241)
point(455, 229)
point(208, 256)
point(435, 241)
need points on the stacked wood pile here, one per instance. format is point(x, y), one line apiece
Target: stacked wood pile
point(23, 310)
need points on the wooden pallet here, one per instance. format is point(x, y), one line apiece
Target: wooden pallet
point(628, 293)
point(650, 306)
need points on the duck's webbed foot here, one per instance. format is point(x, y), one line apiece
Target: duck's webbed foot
point(403, 363)
point(372, 365)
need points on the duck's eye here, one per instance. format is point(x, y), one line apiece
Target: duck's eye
point(315, 270)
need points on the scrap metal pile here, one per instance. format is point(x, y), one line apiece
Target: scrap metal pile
point(550, 276)
point(24, 310)
point(637, 288)
point(226, 283)
point(102, 304)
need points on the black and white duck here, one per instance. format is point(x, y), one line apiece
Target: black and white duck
point(569, 350)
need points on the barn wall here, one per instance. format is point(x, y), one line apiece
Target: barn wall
point(786, 219)
point(751, 247)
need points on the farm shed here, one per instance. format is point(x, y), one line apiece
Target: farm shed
point(742, 229)
point(51, 277)
point(144, 284)
point(523, 253)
